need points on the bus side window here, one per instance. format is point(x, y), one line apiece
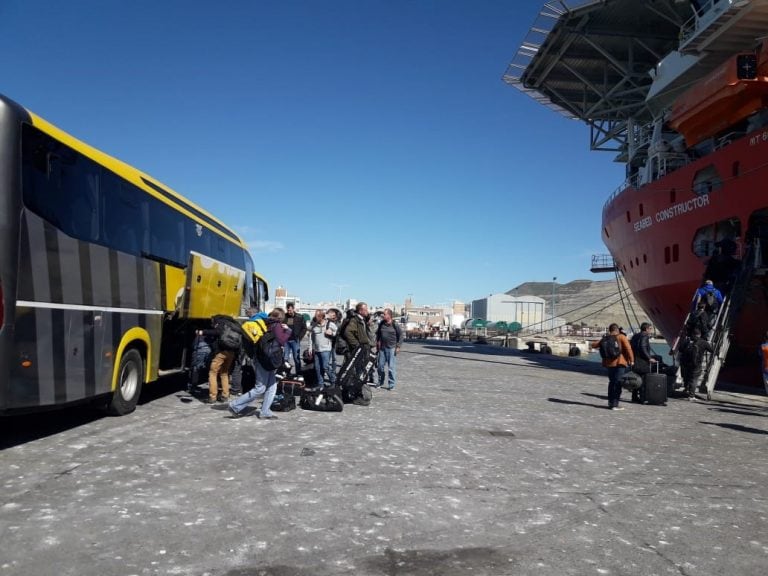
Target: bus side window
point(123, 214)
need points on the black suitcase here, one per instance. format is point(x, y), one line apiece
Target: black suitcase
point(655, 387)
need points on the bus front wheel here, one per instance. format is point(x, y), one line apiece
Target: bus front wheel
point(129, 378)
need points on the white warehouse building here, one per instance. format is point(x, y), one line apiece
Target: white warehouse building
point(526, 310)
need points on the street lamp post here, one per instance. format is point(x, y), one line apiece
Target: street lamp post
point(554, 279)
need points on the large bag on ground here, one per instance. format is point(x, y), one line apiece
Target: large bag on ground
point(285, 400)
point(322, 400)
point(353, 376)
point(655, 387)
point(631, 381)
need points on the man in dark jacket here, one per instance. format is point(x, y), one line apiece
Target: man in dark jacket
point(389, 336)
point(298, 328)
point(641, 348)
point(357, 332)
point(699, 319)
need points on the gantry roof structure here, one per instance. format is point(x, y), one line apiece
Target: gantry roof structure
point(596, 60)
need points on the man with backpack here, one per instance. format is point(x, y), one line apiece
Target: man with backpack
point(691, 360)
point(267, 358)
point(710, 296)
point(229, 338)
point(617, 356)
point(389, 336)
point(698, 319)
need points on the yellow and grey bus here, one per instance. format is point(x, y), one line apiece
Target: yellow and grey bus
point(105, 273)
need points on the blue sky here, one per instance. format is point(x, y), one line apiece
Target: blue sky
point(367, 144)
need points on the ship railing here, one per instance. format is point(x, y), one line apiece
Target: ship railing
point(631, 182)
point(704, 16)
point(727, 315)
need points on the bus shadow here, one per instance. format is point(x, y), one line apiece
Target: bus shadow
point(22, 428)
point(17, 429)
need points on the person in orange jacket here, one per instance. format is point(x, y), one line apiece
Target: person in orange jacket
point(617, 356)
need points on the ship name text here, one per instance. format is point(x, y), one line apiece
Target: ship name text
point(758, 138)
point(673, 212)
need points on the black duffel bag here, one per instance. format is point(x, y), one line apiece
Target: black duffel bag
point(631, 381)
point(322, 399)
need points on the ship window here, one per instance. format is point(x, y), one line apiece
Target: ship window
point(645, 259)
point(637, 261)
point(605, 230)
point(706, 180)
point(631, 264)
point(629, 218)
point(706, 238)
point(641, 210)
point(666, 255)
point(735, 169)
point(675, 252)
point(672, 196)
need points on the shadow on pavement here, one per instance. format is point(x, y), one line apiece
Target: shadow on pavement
point(737, 427)
point(22, 428)
point(742, 412)
point(561, 401)
point(547, 361)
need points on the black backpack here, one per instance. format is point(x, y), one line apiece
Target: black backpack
point(710, 302)
point(610, 349)
point(341, 346)
point(689, 354)
point(269, 352)
point(230, 335)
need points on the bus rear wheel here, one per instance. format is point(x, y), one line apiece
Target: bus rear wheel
point(130, 375)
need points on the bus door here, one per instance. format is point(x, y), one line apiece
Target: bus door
point(212, 288)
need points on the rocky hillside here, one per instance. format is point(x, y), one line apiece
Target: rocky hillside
point(595, 303)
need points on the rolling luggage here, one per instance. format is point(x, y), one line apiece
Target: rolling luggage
point(353, 376)
point(655, 387)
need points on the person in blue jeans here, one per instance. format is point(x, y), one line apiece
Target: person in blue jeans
point(389, 336)
point(322, 331)
point(265, 379)
point(298, 328)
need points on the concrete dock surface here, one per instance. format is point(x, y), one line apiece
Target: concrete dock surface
point(483, 461)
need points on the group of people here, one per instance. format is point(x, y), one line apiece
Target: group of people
point(328, 335)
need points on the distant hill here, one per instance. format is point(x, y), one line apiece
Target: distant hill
point(595, 303)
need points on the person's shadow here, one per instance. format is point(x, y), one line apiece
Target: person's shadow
point(574, 403)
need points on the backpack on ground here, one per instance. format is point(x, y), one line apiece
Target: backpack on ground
point(610, 349)
point(268, 351)
point(230, 334)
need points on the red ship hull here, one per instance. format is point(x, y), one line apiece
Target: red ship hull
point(661, 235)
